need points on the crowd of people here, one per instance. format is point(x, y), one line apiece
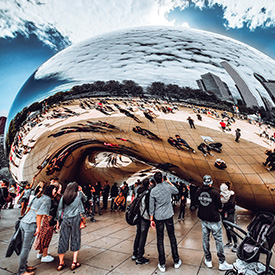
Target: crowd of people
point(52, 208)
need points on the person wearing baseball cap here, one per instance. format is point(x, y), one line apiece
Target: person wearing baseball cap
point(209, 206)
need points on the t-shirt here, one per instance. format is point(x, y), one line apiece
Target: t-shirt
point(38, 206)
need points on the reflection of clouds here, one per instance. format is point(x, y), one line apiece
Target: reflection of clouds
point(157, 53)
point(50, 19)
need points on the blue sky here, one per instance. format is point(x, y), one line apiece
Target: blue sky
point(31, 32)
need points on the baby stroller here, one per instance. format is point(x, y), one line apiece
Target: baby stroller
point(259, 239)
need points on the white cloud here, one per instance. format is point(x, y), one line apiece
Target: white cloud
point(78, 20)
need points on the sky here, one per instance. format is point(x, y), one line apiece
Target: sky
point(31, 31)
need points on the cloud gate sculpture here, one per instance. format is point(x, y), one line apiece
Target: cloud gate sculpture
point(86, 114)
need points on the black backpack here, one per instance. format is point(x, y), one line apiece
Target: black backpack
point(133, 214)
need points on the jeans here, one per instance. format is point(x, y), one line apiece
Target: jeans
point(169, 223)
point(96, 201)
point(27, 232)
point(140, 239)
point(216, 229)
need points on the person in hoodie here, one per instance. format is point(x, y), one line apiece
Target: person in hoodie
point(228, 212)
point(143, 224)
point(209, 207)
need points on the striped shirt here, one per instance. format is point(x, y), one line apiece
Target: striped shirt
point(160, 201)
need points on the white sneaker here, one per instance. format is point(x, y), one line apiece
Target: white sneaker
point(178, 264)
point(225, 266)
point(39, 256)
point(47, 259)
point(208, 263)
point(161, 267)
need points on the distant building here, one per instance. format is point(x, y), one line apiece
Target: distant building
point(212, 83)
point(248, 98)
point(269, 85)
point(2, 124)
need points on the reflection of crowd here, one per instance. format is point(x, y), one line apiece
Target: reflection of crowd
point(145, 133)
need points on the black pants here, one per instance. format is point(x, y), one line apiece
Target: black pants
point(169, 223)
point(105, 202)
point(182, 211)
point(140, 239)
point(230, 236)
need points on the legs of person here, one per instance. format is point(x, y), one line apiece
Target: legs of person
point(112, 204)
point(180, 213)
point(227, 231)
point(144, 227)
point(64, 237)
point(75, 233)
point(169, 223)
point(231, 218)
point(137, 238)
point(27, 232)
point(205, 240)
point(160, 239)
point(98, 205)
point(216, 229)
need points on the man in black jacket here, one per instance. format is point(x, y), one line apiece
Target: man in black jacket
point(209, 206)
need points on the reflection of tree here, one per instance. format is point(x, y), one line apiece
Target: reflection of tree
point(127, 88)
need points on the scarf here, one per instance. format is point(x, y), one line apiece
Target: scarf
point(225, 193)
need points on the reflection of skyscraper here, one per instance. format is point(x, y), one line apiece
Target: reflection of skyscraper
point(269, 85)
point(248, 98)
point(212, 83)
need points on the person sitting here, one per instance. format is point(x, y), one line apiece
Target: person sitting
point(220, 164)
point(270, 155)
point(205, 149)
point(183, 142)
point(174, 143)
point(119, 202)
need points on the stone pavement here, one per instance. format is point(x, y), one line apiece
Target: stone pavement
point(107, 247)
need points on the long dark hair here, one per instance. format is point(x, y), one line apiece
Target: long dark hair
point(70, 193)
point(48, 190)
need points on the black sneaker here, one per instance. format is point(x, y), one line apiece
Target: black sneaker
point(143, 261)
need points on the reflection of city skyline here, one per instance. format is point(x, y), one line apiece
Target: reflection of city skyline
point(210, 82)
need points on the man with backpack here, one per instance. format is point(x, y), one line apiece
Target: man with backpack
point(143, 224)
point(161, 213)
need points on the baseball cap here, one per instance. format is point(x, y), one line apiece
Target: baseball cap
point(207, 180)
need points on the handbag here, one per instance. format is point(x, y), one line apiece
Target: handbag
point(82, 222)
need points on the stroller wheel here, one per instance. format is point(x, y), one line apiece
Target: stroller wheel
point(230, 272)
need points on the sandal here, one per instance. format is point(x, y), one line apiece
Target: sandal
point(75, 265)
point(61, 266)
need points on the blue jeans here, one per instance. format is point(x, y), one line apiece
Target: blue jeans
point(216, 229)
point(27, 232)
point(169, 223)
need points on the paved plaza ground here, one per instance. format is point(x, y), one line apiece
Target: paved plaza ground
point(107, 247)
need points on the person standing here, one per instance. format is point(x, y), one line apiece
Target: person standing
point(228, 213)
point(183, 198)
point(71, 206)
point(105, 194)
point(161, 213)
point(191, 122)
point(114, 194)
point(209, 206)
point(30, 226)
point(96, 198)
point(143, 224)
point(238, 134)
